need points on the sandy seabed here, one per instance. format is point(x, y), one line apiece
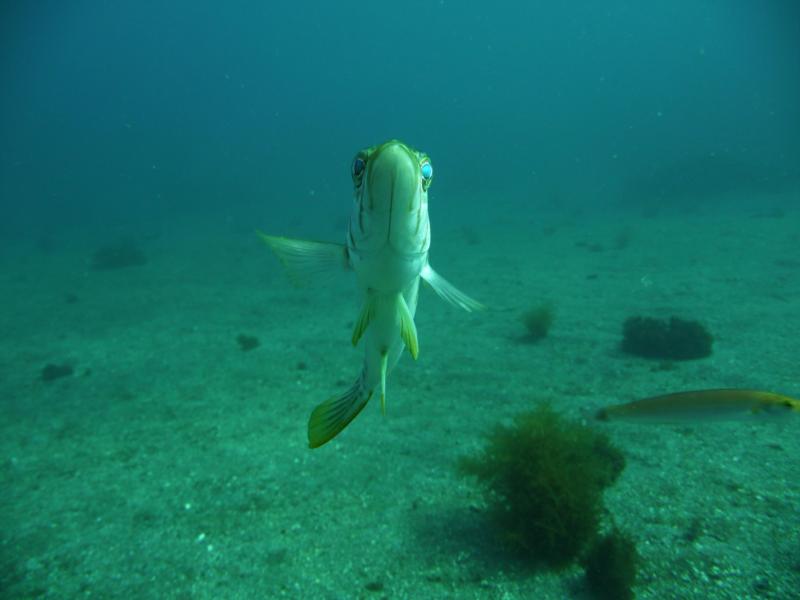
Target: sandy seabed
point(172, 464)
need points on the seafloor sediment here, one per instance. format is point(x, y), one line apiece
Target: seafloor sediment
point(172, 464)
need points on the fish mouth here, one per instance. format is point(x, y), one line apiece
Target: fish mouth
point(391, 208)
point(393, 179)
point(394, 196)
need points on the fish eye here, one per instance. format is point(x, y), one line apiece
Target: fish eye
point(427, 170)
point(358, 168)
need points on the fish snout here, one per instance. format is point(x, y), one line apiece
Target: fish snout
point(393, 179)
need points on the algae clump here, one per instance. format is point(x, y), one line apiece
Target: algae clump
point(118, 255)
point(611, 566)
point(538, 320)
point(673, 339)
point(544, 477)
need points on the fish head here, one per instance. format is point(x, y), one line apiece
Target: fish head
point(777, 405)
point(390, 206)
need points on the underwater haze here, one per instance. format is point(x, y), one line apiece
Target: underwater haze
point(593, 163)
point(142, 112)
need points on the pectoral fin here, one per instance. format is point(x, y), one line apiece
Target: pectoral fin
point(408, 330)
point(307, 262)
point(447, 291)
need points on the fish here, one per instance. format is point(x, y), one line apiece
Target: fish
point(714, 404)
point(386, 245)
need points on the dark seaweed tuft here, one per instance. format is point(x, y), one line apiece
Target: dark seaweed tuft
point(118, 255)
point(51, 372)
point(611, 566)
point(538, 320)
point(544, 477)
point(673, 339)
point(247, 342)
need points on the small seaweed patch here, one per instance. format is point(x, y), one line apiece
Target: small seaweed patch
point(374, 586)
point(673, 339)
point(118, 255)
point(611, 565)
point(590, 246)
point(538, 320)
point(247, 342)
point(51, 372)
point(622, 239)
point(471, 236)
point(543, 478)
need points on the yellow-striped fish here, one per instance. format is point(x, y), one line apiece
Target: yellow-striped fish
point(721, 404)
point(387, 246)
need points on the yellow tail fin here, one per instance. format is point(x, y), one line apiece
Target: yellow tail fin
point(332, 416)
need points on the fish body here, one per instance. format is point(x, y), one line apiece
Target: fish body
point(387, 243)
point(715, 404)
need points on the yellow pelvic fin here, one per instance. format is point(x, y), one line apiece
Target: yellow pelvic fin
point(332, 416)
point(408, 330)
point(384, 363)
point(363, 320)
